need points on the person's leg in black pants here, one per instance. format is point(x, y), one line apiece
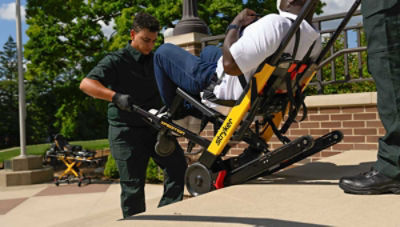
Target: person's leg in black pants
point(383, 36)
point(174, 168)
point(130, 148)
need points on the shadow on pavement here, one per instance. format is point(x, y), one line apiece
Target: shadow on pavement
point(218, 219)
point(317, 173)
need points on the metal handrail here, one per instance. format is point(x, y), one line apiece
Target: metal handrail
point(341, 27)
point(334, 16)
point(340, 53)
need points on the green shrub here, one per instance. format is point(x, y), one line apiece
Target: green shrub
point(111, 169)
point(153, 172)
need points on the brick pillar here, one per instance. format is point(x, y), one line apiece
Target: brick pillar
point(189, 41)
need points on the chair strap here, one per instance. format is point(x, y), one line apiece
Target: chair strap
point(297, 41)
point(242, 81)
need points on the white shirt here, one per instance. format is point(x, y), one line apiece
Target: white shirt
point(260, 40)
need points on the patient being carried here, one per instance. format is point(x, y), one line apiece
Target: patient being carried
point(249, 41)
point(219, 77)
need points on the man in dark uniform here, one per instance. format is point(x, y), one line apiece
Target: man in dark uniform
point(123, 78)
point(381, 24)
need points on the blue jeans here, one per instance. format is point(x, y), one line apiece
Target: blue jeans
point(175, 67)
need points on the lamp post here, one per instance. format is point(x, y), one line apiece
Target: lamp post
point(190, 21)
point(21, 89)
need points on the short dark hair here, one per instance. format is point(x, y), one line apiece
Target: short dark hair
point(145, 20)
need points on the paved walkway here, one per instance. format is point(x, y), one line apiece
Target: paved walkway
point(302, 196)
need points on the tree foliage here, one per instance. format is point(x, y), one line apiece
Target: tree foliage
point(9, 130)
point(66, 42)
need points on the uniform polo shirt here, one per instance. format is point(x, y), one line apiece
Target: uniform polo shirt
point(127, 71)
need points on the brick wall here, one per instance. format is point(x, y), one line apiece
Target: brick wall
point(353, 114)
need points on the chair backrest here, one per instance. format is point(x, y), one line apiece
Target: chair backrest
point(275, 94)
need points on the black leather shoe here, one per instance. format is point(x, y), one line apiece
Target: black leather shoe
point(370, 183)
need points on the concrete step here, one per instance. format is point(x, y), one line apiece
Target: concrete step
point(25, 177)
point(19, 163)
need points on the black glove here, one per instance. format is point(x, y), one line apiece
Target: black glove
point(124, 102)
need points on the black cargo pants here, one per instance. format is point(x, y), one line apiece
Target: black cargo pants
point(383, 35)
point(131, 149)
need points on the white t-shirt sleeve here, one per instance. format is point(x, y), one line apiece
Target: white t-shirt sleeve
point(259, 41)
point(317, 49)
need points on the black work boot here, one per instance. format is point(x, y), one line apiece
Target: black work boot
point(370, 183)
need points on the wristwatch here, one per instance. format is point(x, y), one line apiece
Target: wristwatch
point(232, 26)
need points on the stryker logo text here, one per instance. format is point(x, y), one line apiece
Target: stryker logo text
point(222, 135)
point(173, 128)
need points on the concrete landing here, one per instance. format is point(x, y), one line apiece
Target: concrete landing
point(303, 196)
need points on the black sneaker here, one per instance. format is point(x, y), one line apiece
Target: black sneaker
point(370, 183)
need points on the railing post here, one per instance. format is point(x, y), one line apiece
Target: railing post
point(333, 63)
point(360, 68)
point(320, 89)
point(346, 57)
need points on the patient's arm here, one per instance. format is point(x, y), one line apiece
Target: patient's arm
point(243, 19)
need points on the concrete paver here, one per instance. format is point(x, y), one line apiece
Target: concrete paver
point(64, 209)
point(276, 205)
point(21, 191)
point(306, 195)
point(303, 196)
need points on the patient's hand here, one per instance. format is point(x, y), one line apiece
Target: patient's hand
point(244, 18)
